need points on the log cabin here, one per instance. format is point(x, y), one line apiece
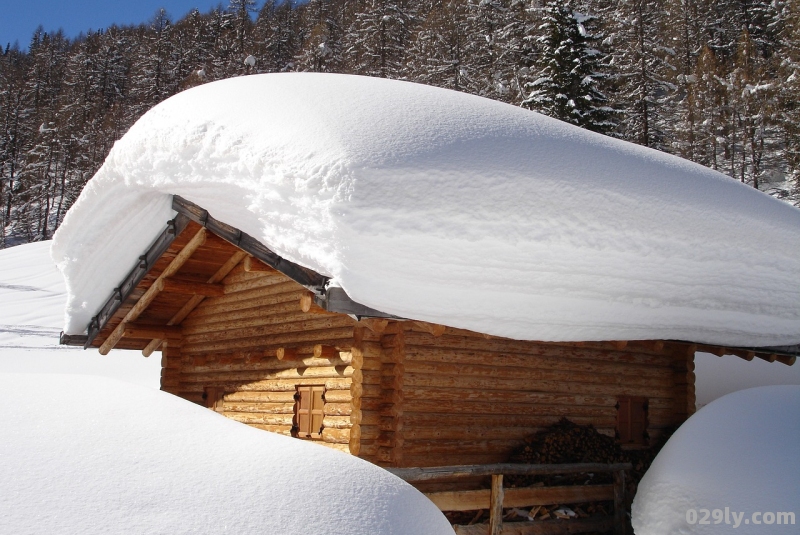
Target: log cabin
point(306, 266)
point(261, 340)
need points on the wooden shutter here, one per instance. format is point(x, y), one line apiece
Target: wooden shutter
point(632, 420)
point(624, 420)
point(309, 409)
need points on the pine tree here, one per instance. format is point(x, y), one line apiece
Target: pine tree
point(570, 72)
point(643, 63)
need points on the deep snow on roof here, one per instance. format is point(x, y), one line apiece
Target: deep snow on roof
point(450, 208)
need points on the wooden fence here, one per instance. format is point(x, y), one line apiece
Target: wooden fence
point(496, 498)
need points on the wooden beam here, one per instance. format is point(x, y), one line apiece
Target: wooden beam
point(620, 525)
point(472, 500)
point(152, 292)
point(195, 300)
point(440, 473)
point(786, 359)
point(194, 288)
point(496, 506)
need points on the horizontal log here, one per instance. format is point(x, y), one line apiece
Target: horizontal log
point(511, 396)
point(320, 372)
point(336, 409)
point(452, 472)
point(504, 345)
point(267, 364)
point(275, 385)
point(337, 422)
point(253, 418)
point(600, 524)
point(212, 307)
point(471, 500)
point(338, 396)
point(336, 436)
point(316, 323)
point(450, 432)
point(266, 408)
point(489, 373)
point(477, 407)
point(531, 421)
point(184, 287)
point(338, 337)
point(258, 286)
point(567, 359)
point(228, 318)
point(472, 382)
point(260, 397)
point(257, 320)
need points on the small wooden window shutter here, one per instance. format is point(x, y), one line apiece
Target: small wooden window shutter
point(624, 420)
point(632, 420)
point(309, 409)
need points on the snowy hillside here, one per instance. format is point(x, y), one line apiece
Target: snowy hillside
point(450, 208)
point(32, 298)
point(95, 455)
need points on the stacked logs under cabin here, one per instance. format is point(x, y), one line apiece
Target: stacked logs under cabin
point(245, 339)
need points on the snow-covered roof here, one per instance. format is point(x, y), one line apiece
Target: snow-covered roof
point(450, 208)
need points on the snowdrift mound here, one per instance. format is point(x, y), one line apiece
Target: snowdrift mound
point(445, 207)
point(732, 467)
point(91, 455)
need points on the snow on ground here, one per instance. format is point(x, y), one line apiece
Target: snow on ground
point(731, 468)
point(96, 455)
point(446, 207)
point(32, 297)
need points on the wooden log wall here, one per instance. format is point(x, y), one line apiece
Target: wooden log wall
point(432, 397)
point(233, 340)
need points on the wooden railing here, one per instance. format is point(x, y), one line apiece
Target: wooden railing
point(498, 497)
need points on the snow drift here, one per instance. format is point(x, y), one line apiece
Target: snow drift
point(738, 452)
point(92, 455)
point(450, 208)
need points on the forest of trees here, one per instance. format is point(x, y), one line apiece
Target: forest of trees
point(713, 81)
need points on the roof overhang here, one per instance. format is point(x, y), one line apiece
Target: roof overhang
point(331, 299)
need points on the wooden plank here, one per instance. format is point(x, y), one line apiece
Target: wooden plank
point(620, 524)
point(496, 505)
point(466, 471)
point(472, 500)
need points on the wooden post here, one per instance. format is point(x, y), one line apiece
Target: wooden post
point(620, 524)
point(496, 506)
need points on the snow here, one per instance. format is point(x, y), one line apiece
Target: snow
point(739, 453)
point(96, 455)
point(32, 294)
point(450, 208)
